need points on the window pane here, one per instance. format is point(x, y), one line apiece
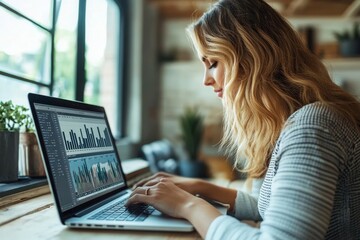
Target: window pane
point(102, 60)
point(17, 90)
point(65, 50)
point(38, 10)
point(24, 49)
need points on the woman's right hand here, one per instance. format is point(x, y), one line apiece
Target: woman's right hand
point(190, 185)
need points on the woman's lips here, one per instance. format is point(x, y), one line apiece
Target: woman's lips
point(219, 92)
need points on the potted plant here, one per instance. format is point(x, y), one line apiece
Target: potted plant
point(11, 119)
point(192, 128)
point(349, 41)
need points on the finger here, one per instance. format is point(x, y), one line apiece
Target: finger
point(142, 182)
point(154, 181)
point(164, 174)
point(138, 198)
point(140, 190)
point(148, 179)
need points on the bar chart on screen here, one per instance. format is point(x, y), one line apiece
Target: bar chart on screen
point(94, 136)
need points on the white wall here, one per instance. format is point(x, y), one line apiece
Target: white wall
point(143, 83)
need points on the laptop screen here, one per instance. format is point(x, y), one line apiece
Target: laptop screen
point(80, 153)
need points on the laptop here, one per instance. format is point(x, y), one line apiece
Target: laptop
point(84, 169)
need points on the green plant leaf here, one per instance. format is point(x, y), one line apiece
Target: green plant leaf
point(347, 34)
point(12, 117)
point(356, 31)
point(191, 125)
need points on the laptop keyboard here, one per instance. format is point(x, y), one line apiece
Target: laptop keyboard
point(118, 212)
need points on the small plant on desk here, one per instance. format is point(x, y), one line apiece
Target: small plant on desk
point(192, 129)
point(349, 41)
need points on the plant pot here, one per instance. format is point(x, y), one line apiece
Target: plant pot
point(9, 156)
point(30, 162)
point(195, 169)
point(350, 48)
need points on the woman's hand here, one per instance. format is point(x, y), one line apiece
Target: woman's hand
point(193, 186)
point(190, 185)
point(170, 199)
point(165, 196)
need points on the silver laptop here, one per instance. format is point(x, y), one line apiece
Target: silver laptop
point(84, 170)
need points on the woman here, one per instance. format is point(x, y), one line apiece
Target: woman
point(291, 122)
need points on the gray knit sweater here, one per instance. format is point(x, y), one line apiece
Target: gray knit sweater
point(312, 187)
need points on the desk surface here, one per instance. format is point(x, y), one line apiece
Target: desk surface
point(37, 218)
point(44, 223)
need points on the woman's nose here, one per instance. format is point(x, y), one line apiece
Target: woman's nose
point(208, 80)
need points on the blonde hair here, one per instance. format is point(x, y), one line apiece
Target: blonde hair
point(269, 74)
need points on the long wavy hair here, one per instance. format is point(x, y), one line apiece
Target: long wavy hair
point(269, 74)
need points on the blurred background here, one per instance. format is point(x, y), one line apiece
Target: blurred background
point(134, 58)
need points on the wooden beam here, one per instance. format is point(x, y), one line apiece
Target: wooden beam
point(353, 9)
point(289, 8)
point(181, 9)
point(295, 6)
point(184, 3)
point(317, 8)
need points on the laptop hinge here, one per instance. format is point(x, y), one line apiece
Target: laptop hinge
point(97, 205)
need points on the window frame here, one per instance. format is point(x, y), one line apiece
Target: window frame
point(80, 79)
point(52, 50)
point(123, 53)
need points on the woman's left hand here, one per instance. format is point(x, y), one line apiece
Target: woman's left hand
point(165, 197)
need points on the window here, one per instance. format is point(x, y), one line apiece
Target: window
point(68, 49)
point(25, 49)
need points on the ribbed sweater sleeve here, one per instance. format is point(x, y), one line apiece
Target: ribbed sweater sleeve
point(302, 189)
point(246, 204)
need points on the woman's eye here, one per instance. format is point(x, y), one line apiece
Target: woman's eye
point(213, 65)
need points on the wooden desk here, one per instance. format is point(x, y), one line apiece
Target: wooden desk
point(37, 218)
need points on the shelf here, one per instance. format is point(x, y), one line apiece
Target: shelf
point(342, 63)
point(24, 183)
point(23, 189)
point(352, 63)
point(322, 20)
